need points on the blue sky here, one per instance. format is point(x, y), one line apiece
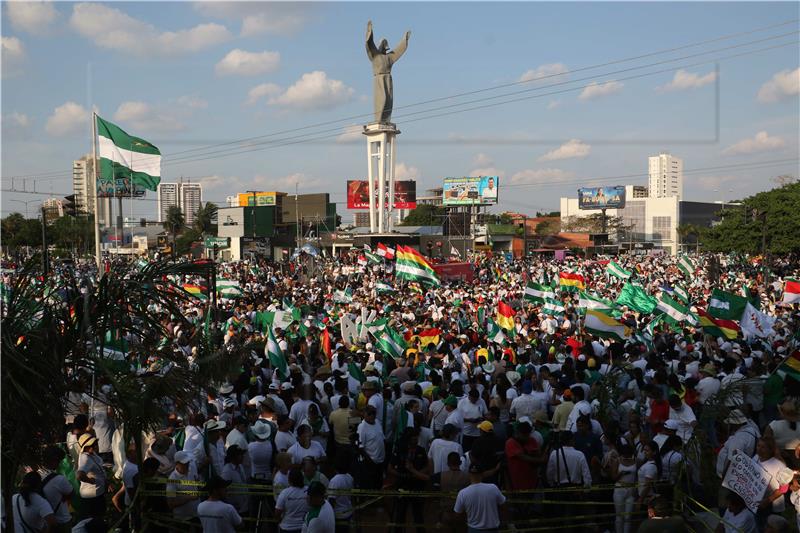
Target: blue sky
point(188, 75)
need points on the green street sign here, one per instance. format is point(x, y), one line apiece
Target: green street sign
point(219, 242)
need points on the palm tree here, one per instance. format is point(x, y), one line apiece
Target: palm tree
point(174, 223)
point(689, 233)
point(203, 220)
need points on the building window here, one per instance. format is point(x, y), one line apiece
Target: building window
point(662, 228)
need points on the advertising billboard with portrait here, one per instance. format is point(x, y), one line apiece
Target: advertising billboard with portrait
point(470, 190)
point(405, 194)
point(601, 197)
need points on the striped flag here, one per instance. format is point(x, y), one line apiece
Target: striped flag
point(125, 157)
point(343, 297)
point(325, 343)
point(373, 258)
point(681, 293)
point(718, 327)
point(411, 266)
point(362, 260)
point(535, 292)
point(195, 290)
point(385, 251)
point(617, 271)
point(553, 307)
point(674, 313)
point(429, 336)
point(790, 366)
point(505, 316)
point(382, 287)
point(569, 281)
point(726, 305)
point(228, 287)
point(392, 343)
point(495, 333)
point(276, 358)
point(604, 326)
point(791, 291)
point(686, 265)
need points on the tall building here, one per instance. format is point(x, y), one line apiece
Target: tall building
point(666, 176)
point(187, 196)
point(167, 197)
point(84, 190)
point(190, 199)
point(53, 209)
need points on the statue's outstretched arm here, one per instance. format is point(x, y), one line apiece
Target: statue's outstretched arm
point(400, 49)
point(372, 50)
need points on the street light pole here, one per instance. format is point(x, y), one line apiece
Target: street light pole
point(253, 218)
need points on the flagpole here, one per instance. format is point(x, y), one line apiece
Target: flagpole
point(96, 204)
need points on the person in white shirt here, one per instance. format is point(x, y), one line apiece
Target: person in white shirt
point(743, 438)
point(524, 404)
point(284, 438)
point(305, 447)
point(371, 444)
point(291, 506)
point(261, 452)
point(582, 407)
point(480, 503)
point(567, 466)
point(473, 409)
point(320, 517)
point(683, 415)
point(56, 489)
point(299, 408)
point(737, 518)
point(342, 481)
point(234, 472)
point(215, 515)
point(32, 513)
point(442, 447)
point(181, 498)
point(92, 476)
point(769, 457)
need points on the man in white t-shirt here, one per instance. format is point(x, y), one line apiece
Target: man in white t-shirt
point(441, 448)
point(181, 498)
point(480, 502)
point(319, 517)
point(215, 515)
point(55, 487)
point(473, 409)
point(371, 445)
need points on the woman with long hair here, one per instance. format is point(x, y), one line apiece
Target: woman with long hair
point(32, 513)
point(649, 473)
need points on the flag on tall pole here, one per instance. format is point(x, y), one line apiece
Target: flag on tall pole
point(718, 327)
point(674, 312)
point(385, 251)
point(636, 298)
point(124, 156)
point(681, 293)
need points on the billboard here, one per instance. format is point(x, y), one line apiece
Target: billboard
point(110, 188)
point(601, 197)
point(405, 194)
point(262, 198)
point(470, 190)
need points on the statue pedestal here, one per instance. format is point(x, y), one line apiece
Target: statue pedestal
point(381, 156)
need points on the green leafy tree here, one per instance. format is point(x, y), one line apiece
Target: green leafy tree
point(424, 215)
point(548, 227)
point(183, 244)
point(174, 223)
point(204, 218)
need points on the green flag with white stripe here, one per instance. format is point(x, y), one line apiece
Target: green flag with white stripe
point(125, 157)
point(674, 313)
point(536, 292)
point(495, 333)
point(276, 358)
point(681, 293)
point(686, 265)
point(553, 307)
point(392, 343)
point(617, 271)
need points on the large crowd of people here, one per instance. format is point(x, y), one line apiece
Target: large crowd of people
point(548, 424)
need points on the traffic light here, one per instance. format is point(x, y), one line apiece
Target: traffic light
point(70, 207)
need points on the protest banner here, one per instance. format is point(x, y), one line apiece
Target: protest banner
point(748, 479)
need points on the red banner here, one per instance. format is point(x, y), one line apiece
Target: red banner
point(405, 194)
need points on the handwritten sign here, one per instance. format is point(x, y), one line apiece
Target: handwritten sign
point(748, 479)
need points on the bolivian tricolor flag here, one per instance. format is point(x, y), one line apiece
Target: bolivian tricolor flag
point(428, 336)
point(790, 366)
point(411, 266)
point(505, 316)
point(718, 327)
point(195, 290)
point(571, 282)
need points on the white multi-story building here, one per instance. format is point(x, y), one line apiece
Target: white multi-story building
point(666, 176)
point(187, 196)
point(190, 199)
point(84, 190)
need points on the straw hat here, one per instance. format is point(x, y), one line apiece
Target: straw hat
point(87, 439)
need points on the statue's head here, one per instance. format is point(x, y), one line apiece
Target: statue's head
point(384, 46)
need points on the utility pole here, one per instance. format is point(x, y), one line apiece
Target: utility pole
point(296, 217)
point(253, 219)
point(45, 261)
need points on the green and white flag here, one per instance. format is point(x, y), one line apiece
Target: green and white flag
point(343, 297)
point(495, 333)
point(276, 358)
point(674, 313)
point(535, 292)
point(392, 343)
point(280, 319)
point(726, 305)
point(380, 287)
point(125, 157)
point(681, 293)
point(377, 328)
point(228, 287)
point(686, 266)
point(617, 271)
point(589, 301)
point(373, 258)
point(553, 307)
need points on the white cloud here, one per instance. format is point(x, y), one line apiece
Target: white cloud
point(405, 172)
point(12, 54)
point(548, 73)
point(314, 90)
point(595, 90)
point(145, 117)
point(260, 91)
point(482, 160)
point(687, 80)
point(762, 142)
point(709, 183)
point(571, 149)
point(16, 120)
point(552, 104)
point(111, 28)
point(351, 134)
point(242, 63)
point(278, 18)
point(784, 84)
point(66, 119)
point(31, 16)
point(287, 183)
point(541, 174)
point(192, 102)
point(487, 171)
